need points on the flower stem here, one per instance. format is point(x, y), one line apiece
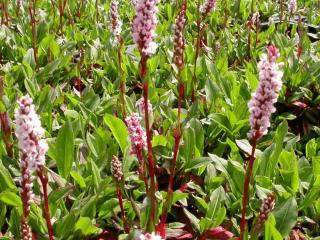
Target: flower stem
point(122, 83)
point(198, 44)
point(44, 181)
point(246, 188)
point(177, 138)
point(32, 13)
point(151, 164)
point(123, 215)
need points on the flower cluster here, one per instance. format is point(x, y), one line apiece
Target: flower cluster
point(137, 134)
point(116, 168)
point(149, 236)
point(208, 6)
point(140, 105)
point(32, 149)
point(143, 26)
point(29, 133)
point(292, 6)
point(255, 18)
point(178, 39)
point(133, 3)
point(266, 207)
point(115, 23)
point(261, 105)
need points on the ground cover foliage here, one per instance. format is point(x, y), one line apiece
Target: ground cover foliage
point(85, 79)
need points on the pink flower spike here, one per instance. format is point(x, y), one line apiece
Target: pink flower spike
point(137, 134)
point(178, 39)
point(266, 95)
point(115, 23)
point(140, 105)
point(29, 133)
point(208, 6)
point(292, 6)
point(143, 26)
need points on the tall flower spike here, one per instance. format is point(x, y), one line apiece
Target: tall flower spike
point(292, 6)
point(32, 154)
point(261, 105)
point(115, 23)
point(178, 39)
point(143, 26)
point(140, 105)
point(255, 18)
point(266, 207)
point(116, 168)
point(208, 6)
point(137, 134)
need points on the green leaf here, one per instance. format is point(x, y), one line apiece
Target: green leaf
point(286, 216)
point(78, 178)
point(311, 148)
point(118, 129)
point(312, 195)
point(85, 226)
point(64, 150)
point(10, 198)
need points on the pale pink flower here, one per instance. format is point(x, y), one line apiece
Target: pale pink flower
point(178, 39)
point(29, 133)
point(208, 6)
point(115, 23)
point(140, 105)
point(116, 168)
point(292, 6)
point(143, 26)
point(137, 134)
point(266, 95)
point(149, 236)
point(255, 18)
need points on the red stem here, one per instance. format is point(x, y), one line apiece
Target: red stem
point(141, 169)
point(198, 43)
point(32, 12)
point(44, 181)
point(6, 129)
point(246, 188)
point(122, 83)
point(123, 215)
point(151, 164)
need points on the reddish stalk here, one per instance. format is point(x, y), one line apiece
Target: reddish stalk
point(5, 13)
point(198, 44)
point(249, 40)
point(122, 83)
point(44, 182)
point(141, 169)
point(246, 188)
point(97, 10)
point(256, 37)
point(18, 8)
point(53, 9)
point(61, 15)
point(123, 215)
point(25, 197)
point(151, 164)
point(6, 129)
point(32, 13)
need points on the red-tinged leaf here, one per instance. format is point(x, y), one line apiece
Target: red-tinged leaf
point(218, 233)
point(183, 187)
point(179, 234)
point(299, 104)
